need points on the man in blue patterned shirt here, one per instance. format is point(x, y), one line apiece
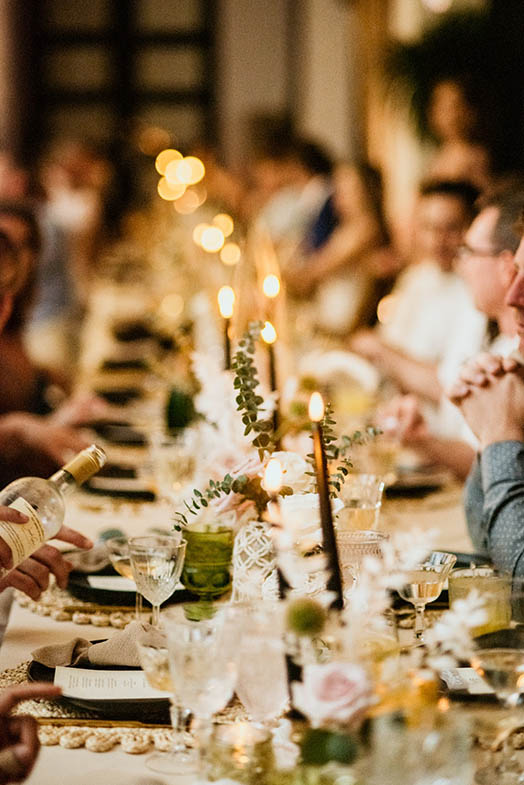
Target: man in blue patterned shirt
point(490, 394)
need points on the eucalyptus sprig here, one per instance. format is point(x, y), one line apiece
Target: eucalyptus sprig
point(249, 487)
point(248, 401)
point(338, 450)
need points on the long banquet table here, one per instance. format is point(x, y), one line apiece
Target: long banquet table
point(441, 511)
point(24, 630)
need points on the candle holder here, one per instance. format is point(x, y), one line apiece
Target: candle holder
point(242, 752)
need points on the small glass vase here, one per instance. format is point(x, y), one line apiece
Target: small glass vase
point(254, 564)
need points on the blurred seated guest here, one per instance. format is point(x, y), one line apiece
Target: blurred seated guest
point(77, 177)
point(292, 212)
point(19, 743)
point(487, 265)
point(341, 273)
point(490, 395)
point(23, 384)
point(453, 116)
point(29, 444)
point(48, 332)
point(430, 317)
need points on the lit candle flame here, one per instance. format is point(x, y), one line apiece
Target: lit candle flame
point(230, 254)
point(273, 476)
point(226, 301)
point(188, 171)
point(198, 231)
point(316, 407)
point(224, 223)
point(212, 239)
point(164, 158)
point(268, 333)
point(271, 286)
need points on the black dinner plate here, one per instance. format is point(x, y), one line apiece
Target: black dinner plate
point(117, 470)
point(147, 710)
point(132, 331)
point(120, 433)
point(116, 364)
point(119, 395)
point(116, 492)
point(417, 482)
point(80, 588)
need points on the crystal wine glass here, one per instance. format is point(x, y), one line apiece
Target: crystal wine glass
point(424, 583)
point(156, 561)
point(353, 547)
point(118, 552)
point(202, 652)
point(262, 673)
point(154, 658)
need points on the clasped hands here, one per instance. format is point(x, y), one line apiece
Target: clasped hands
point(490, 394)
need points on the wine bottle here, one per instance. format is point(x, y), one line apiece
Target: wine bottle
point(43, 502)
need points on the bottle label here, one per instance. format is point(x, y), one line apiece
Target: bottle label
point(22, 538)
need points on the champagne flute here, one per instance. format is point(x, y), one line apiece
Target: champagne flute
point(153, 654)
point(118, 552)
point(424, 583)
point(156, 561)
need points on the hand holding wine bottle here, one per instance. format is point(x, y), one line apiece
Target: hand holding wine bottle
point(41, 504)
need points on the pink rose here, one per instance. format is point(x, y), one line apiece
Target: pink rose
point(335, 692)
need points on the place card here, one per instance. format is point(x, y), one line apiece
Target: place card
point(466, 679)
point(105, 684)
point(111, 583)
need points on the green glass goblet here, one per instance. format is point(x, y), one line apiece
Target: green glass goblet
point(207, 566)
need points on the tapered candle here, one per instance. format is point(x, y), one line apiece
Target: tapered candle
point(271, 290)
point(269, 336)
point(226, 302)
point(273, 483)
point(316, 413)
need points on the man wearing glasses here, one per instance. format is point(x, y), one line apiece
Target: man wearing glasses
point(490, 395)
point(485, 262)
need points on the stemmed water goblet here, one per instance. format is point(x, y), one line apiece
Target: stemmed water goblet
point(156, 562)
point(203, 661)
point(262, 673)
point(118, 552)
point(152, 647)
point(424, 583)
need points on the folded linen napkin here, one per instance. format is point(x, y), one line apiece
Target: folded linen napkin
point(120, 649)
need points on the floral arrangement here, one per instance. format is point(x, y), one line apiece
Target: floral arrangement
point(238, 422)
point(336, 692)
